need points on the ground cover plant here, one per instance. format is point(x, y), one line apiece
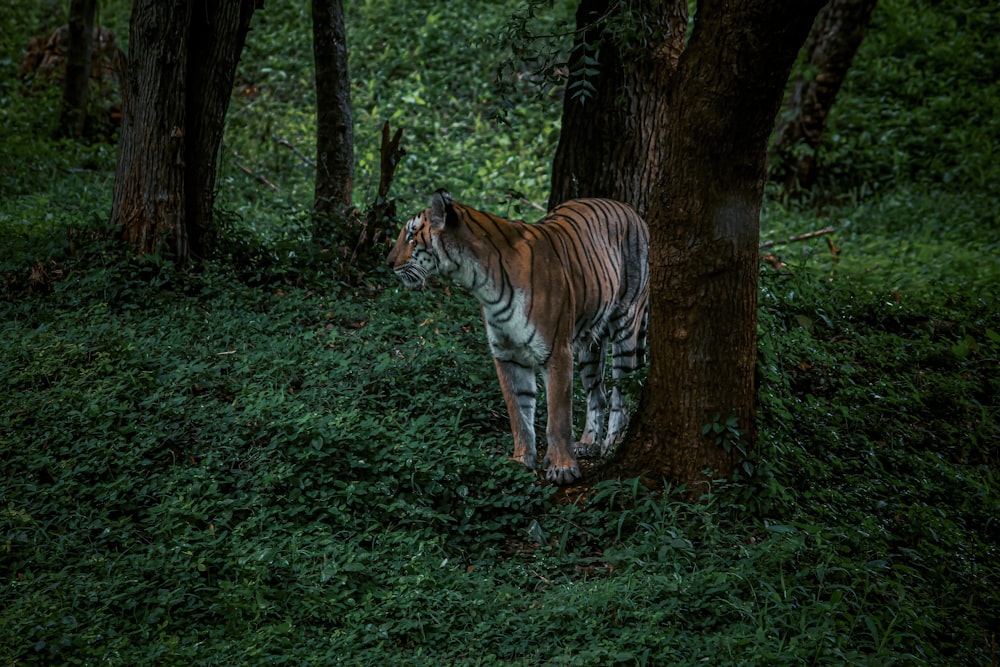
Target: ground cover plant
point(249, 462)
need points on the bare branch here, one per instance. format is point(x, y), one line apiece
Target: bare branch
point(257, 177)
point(800, 237)
point(299, 154)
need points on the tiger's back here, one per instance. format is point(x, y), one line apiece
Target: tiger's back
point(576, 280)
point(602, 246)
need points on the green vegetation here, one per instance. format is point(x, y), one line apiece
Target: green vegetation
point(249, 463)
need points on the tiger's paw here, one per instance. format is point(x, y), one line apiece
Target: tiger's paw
point(527, 460)
point(562, 475)
point(611, 444)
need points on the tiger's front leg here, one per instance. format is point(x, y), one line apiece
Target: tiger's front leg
point(558, 374)
point(520, 391)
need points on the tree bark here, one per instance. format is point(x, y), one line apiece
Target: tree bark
point(382, 212)
point(175, 93)
point(335, 122)
point(148, 203)
point(834, 40)
point(218, 34)
point(606, 146)
point(73, 116)
point(680, 132)
point(704, 227)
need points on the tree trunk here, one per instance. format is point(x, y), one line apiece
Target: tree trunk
point(148, 202)
point(218, 33)
point(175, 92)
point(335, 123)
point(835, 37)
point(610, 111)
point(703, 216)
point(76, 83)
point(381, 214)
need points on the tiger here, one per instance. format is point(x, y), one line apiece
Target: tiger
point(577, 280)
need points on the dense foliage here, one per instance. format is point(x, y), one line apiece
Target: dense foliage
point(250, 463)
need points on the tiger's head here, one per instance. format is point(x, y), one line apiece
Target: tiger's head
point(420, 252)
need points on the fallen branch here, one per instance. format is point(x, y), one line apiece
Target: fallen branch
point(800, 237)
point(256, 177)
point(287, 144)
point(533, 205)
point(511, 196)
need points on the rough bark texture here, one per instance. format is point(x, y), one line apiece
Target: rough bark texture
point(703, 215)
point(73, 115)
point(606, 147)
point(175, 92)
point(148, 200)
point(835, 37)
point(218, 34)
point(335, 123)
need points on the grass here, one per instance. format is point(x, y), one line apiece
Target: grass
point(250, 463)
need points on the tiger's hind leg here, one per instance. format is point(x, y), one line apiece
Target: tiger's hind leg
point(628, 345)
point(520, 391)
point(592, 360)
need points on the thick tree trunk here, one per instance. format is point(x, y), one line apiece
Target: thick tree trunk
point(148, 203)
point(835, 37)
point(704, 225)
point(76, 83)
point(335, 122)
point(175, 91)
point(606, 147)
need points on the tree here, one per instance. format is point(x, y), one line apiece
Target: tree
point(176, 85)
point(335, 124)
point(829, 52)
point(705, 164)
point(361, 237)
point(76, 83)
point(609, 119)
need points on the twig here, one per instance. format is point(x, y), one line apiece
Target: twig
point(513, 195)
point(800, 237)
point(510, 197)
point(287, 144)
point(257, 177)
point(547, 581)
point(533, 204)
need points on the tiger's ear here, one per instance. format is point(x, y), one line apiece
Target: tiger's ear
point(442, 211)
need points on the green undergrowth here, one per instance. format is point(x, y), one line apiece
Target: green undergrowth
point(206, 470)
point(250, 463)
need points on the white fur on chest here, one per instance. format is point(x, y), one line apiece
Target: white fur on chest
point(511, 334)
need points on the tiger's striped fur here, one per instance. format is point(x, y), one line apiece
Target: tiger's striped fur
point(576, 280)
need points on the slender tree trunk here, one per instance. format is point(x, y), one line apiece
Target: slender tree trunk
point(607, 147)
point(834, 40)
point(77, 80)
point(175, 92)
point(218, 33)
point(704, 226)
point(335, 122)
